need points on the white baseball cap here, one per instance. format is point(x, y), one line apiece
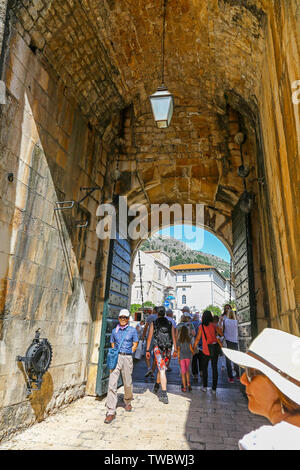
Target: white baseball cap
point(276, 354)
point(124, 313)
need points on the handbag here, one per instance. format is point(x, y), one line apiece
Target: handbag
point(139, 350)
point(214, 349)
point(113, 354)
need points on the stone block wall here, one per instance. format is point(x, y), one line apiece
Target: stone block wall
point(3, 5)
point(280, 194)
point(49, 271)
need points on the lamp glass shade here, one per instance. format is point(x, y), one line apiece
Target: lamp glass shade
point(162, 104)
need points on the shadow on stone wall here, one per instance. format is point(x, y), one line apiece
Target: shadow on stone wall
point(40, 399)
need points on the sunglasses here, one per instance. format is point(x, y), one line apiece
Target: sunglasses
point(250, 373)
point(124, 318)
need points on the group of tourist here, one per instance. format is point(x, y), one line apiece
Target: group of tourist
point(195, 343)
point(194, 353)
point(271, 377)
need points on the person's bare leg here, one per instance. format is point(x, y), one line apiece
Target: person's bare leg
point(158, 378)
point(183, 380)
point(163, 380)
point(188, 378)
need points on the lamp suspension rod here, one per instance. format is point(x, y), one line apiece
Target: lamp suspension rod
point(163, 42)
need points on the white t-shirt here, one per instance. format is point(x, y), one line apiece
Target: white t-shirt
point(230, 328)
point(282, 436)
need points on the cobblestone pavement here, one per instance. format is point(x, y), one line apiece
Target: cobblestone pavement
point(194, 420)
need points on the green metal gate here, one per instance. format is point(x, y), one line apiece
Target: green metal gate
point(244, 278)
point(116, 298)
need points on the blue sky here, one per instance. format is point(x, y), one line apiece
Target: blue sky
point(197, 239)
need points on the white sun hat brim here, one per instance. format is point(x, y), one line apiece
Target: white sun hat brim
point(288, 388)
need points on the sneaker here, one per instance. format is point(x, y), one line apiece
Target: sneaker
point(109, 418)
point(237, 379)
point(156, 388)
point(204, 389)
point(164, 397)
point(231, 381)
point(214, 392)
point(149, 372)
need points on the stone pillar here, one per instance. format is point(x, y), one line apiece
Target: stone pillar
point(3, 6)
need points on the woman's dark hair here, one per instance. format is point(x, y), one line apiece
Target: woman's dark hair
point(184, 336)
point(207, 318)
point(161, 311)
point(224, 311)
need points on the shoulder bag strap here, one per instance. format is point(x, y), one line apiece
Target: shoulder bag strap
point(124, 336)
point(204, 332)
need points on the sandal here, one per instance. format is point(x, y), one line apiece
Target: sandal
point(183, 389)
point(189, 388)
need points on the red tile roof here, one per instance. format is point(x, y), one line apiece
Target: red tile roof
point(191, 266)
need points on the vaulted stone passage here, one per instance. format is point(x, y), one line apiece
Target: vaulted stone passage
point(78, 74)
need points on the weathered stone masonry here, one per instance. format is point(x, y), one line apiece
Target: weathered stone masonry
point(78, 75)
point(47, 266)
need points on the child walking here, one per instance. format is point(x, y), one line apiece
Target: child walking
point(185, 354)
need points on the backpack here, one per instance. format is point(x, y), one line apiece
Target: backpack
point(162, 335)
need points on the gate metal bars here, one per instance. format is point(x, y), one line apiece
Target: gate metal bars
point(244, 278)
point(116, 298)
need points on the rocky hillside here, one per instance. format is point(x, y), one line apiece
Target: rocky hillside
point(180, 253)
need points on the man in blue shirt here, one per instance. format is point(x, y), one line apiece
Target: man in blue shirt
point(129, 338)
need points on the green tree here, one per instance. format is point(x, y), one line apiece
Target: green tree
point(214, 310)
point(134, 308)
point(149, 304)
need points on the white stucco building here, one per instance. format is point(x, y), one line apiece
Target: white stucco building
point(199, 285)
point(158, 280)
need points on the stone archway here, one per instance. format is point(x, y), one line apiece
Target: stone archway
point(78, 75)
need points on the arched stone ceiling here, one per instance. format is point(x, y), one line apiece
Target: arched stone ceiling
point(108, 54)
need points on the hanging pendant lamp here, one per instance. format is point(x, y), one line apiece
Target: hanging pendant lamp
point(162, 101)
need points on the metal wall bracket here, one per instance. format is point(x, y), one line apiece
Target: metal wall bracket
point(85, 223)
point(70, 204)
point(81, 224)
point(61, 207)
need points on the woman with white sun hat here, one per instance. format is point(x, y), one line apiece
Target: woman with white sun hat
point(272, 381)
